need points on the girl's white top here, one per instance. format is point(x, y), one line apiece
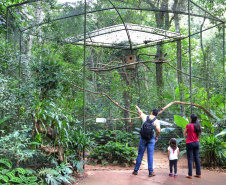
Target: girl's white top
point(173, 153)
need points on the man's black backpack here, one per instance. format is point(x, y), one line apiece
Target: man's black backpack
point(147, 129)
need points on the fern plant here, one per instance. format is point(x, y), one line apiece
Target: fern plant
point(58, 175)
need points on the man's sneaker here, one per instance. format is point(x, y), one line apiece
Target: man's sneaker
point(171, 175)
point(135, 172)
point(151, 174)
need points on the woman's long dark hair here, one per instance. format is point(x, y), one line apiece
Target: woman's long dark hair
point(197, 126)
point(173, 143)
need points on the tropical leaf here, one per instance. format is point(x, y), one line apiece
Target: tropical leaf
point(30, 171)
point(4, 171)
point(4, 119)
point(20, 170)
point(180, 121)
point(4, 178)
point(16, 179)
point(33, 183)
point(6, 162)
point(167, 130)
point(23, 178)
point(10, 175)
point(179, 140)
point(182, 153)
point(32, 179)
point(34, 143)
point(221, 133)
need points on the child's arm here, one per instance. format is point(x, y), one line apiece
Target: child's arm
point(168, 154)
point(178, 152)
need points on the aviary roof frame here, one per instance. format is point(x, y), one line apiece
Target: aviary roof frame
point(127, 31)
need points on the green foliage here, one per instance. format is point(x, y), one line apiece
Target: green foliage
point(114, 152)
point(180, 121)
point(74, 146)
point(58, 175)
point(222, 133)
point(16, 144)
point(79, 141)
point(47, 68)
point(104, 136)
point(6, 162)
point(48, 73)
point(15, 176)
point(212, 150)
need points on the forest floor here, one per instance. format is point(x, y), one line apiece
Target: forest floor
point(119, 175)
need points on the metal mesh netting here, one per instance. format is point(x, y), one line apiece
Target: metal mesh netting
point(109, 23)
point(120, 29)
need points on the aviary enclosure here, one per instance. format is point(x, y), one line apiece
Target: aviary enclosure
point(119, 53)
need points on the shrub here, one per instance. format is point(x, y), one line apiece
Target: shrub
point(15, 176)
point(114, 152)
point(104, 136)
point(212, 151)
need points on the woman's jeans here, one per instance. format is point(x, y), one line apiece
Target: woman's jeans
point(193, 150)
point(150, 144)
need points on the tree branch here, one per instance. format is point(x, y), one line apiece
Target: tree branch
point(104, 94)
point(163, 109)
point(184, 103)
point(134, 63)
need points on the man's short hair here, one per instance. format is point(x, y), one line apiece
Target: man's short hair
point(155, 112)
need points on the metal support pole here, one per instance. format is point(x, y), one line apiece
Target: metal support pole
point(20, 44)
point(20, 58)
point(224, 64)
point(189, 25)
point(7, 24)
point(84, 80)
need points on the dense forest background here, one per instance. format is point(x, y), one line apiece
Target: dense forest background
point(44, 93)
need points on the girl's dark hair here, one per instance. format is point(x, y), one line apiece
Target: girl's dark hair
point(197, 126)
point(173, 143)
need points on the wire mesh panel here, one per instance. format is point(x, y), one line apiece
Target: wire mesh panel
point(121, 51)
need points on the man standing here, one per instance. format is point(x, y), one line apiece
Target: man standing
point(147, 143)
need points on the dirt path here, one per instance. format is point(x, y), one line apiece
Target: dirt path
point(160, 162)
point(118, 175)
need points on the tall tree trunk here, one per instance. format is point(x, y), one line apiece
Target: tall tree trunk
point(160, 16)
point(206, 67)
point(159, 77)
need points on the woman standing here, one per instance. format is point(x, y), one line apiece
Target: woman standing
point(193, 131)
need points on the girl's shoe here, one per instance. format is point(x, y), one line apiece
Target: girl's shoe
point(175, 175)
point(171, 175)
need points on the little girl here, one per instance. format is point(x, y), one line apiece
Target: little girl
point(173, 153)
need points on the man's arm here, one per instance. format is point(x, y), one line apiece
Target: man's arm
point(157, 134)
point(139, 111)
